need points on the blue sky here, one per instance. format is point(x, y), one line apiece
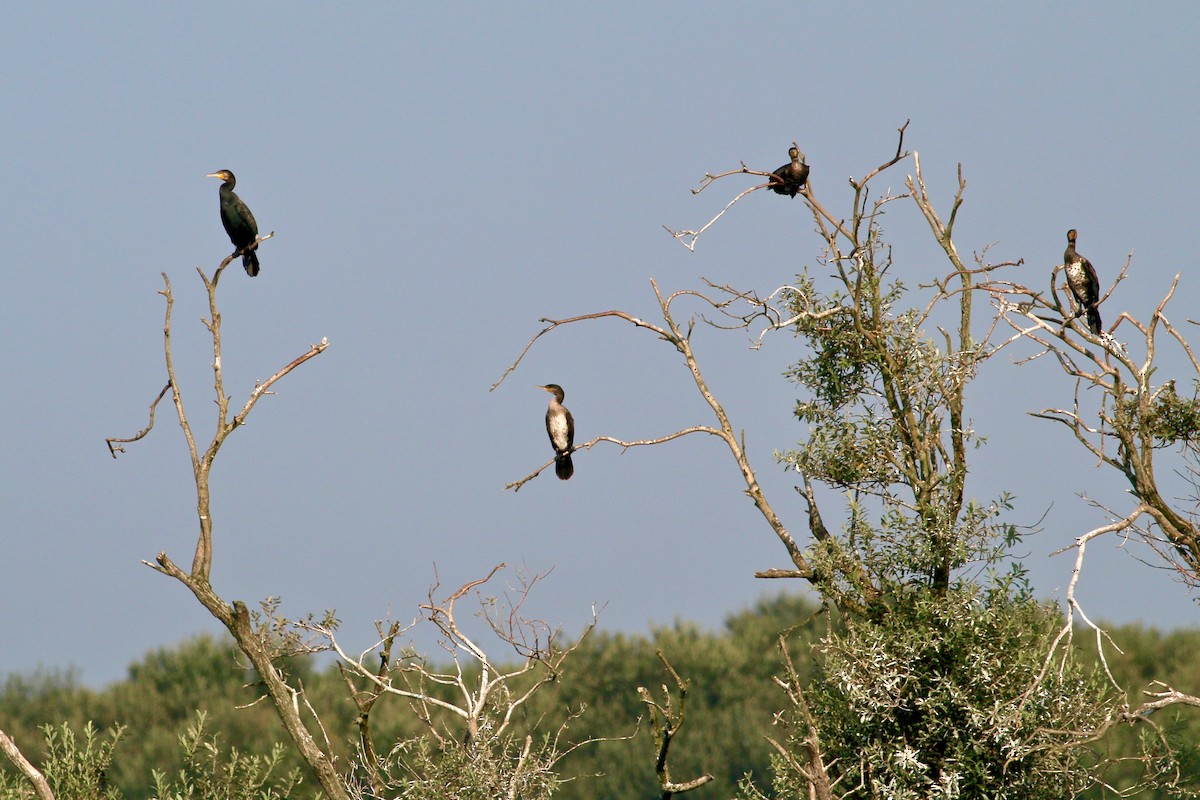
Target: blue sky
point(441, 177)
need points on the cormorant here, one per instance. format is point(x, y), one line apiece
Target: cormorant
point(1082, 280)
point(561, 427)
point(238, 221)
point(790, 178)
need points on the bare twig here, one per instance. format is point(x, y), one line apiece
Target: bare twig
point(113, 442)
point(688, 238)
point(516, 485)
point(814, 769)
point(554, 323)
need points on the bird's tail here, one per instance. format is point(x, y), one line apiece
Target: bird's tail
point(1093, 320)
point(250, 262)
point(563, 467)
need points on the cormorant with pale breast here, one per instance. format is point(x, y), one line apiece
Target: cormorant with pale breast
point(561, 427)
point(790, 178)
point(238, 221)
point(1083, 282)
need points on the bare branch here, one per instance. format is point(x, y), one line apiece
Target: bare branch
point(41, 786)
point(814, 769)
point(516, 485)
point(113, 442)
point(239, 253)
point(900, 155)
point(484, 702)
point(666, 719)
point(554, 323)
point(264, 387)
point(688, 238)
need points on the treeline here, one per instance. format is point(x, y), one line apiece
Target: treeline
point(730, 705)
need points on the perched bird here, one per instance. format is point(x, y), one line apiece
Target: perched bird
point(790, 178)
point(561, 427)
point(1082, 280)
point(238, 221)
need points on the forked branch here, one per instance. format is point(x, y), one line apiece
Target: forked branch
point(492, 694)
point(688, 238)
point(254, 643)
point(666, 719)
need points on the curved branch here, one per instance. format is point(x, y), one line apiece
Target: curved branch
point(554, 323)
point(753, 490)
point(113, 442)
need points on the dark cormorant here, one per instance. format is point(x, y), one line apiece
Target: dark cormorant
point(1082, 280)
point(238, 221)
point(561, 427)
point(790, 178)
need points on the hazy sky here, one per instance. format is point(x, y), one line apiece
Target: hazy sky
point(439, 177)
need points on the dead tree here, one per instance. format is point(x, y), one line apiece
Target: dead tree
point(666, 719)
point(474, 714)
point(259, 643)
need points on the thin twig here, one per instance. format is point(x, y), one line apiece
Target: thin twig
point(113, 442)
point(516, 485)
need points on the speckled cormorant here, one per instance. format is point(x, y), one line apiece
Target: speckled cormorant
point(238, 221)
point(790, 178)
point(1082, 280)
point(561, 427)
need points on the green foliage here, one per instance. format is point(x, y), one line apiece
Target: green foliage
point(731, 701)
point(1163, 751)
point(208, 774)
point(851, 441)
point(947, 697)
point(30, 701)
point(942, 677)
point(167, 687)
point(730, 712)
point(77, 766)
point(1172, 419)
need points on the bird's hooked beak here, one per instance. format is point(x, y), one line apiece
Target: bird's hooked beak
point(215, 175)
